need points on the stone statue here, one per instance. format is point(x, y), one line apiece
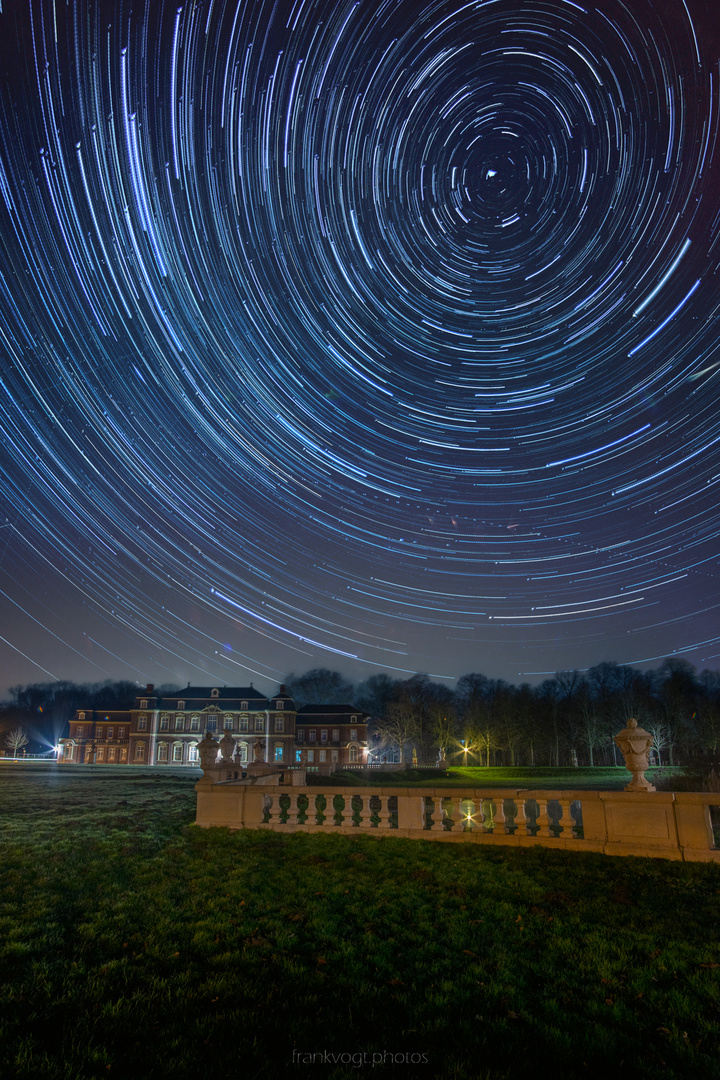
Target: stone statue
point(634, 744)
point(227, 746)
point(208, 751)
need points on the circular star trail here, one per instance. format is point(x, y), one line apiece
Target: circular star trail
point(358, 334)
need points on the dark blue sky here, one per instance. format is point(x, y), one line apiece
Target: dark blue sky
point(358, 335)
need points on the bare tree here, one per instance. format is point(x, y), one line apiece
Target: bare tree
point(16, 740)
point(399, 726)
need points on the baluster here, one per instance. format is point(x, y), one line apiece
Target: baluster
point(271, 807)
point(384, 813)
point(292, 812)
point(543, 819)
point(455, 816)
point(365, 811)
point(436, 818)
point(498, 817)
point(521, 821)
point(338, 813)
point(566, 819)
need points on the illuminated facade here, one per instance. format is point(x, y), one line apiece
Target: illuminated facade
point(166, 731)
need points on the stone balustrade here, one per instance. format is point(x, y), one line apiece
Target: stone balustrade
point(665, 824)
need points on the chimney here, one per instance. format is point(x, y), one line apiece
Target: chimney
point(150, 687)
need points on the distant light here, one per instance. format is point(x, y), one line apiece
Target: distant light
point(490, 173)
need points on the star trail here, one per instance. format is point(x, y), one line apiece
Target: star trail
point(370, 335)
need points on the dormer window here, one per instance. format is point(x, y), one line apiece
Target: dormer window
point(214, 692)
point(243, 706)
point(279, 704)
point(143, 703)
point(181, 704)
point(81, 716)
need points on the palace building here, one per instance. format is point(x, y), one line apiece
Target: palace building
point(167, 730)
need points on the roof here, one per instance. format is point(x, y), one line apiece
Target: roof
point(309, 712)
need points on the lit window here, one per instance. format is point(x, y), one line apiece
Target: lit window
point(193, 752)
point(243, 723)
point(311, 755)
point(279, 723)
point(312, 735)
point(323, 735)
point(228, 723)
point(179, 723)
point(278, 753)
point(88, 753)
point(195, 723)
point(101, 753)
point(298, 755)
point(177, 751)
point(140, 751)
point(353, 753)
point(123, 753)
point(323, 755)
point(110, 732)
point(162, 751)
point(164, 723)
point(259, 723)
point(243, 747)
point(336, 735)
point(212, 723)
point(111, 753)
point(353, 733)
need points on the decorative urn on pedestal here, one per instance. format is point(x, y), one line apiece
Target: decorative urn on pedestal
point(634, 744)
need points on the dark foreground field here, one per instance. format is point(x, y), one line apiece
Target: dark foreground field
point(133, 944)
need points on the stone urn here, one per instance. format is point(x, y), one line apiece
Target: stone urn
point(634, 744)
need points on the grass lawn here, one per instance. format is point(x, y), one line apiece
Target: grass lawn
point(540, 779)
point(133, 944)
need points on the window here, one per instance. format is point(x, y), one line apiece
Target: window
point(195, 723)
point(192, 752)
point(243, 748)
point(353, 754)
point(300, 735)
point(179, 723)
point(110, 733)
point(336, 734)
point(88, 753)
point(333, 755)
point(353, 734)
point(143, 703)
point(228, 722)
point(323, 755)
point(181, 704)
point(312, 734)
point(111, 753)
point(162, 751)
point(298, 756)
point(243, 706)
point(140, 751)
point(212, 723)
point(279, 704)
point(278, 752)
point(214, 692)
point(80, 731)
point(279, 723)
point(323, 735)
point(81, 716)
point(101, 753)
point(311, 755)
point(121, 733)
point(142, 723)
point(243, 723)
point(177, 751)
point(123, 753)
point(164, 723)
point(259, 723)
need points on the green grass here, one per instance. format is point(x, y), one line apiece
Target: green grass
point(541, 779)
point(133, 944)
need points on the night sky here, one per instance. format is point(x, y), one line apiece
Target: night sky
point(369, 335)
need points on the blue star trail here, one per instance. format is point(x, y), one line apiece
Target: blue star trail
point(377, 335)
